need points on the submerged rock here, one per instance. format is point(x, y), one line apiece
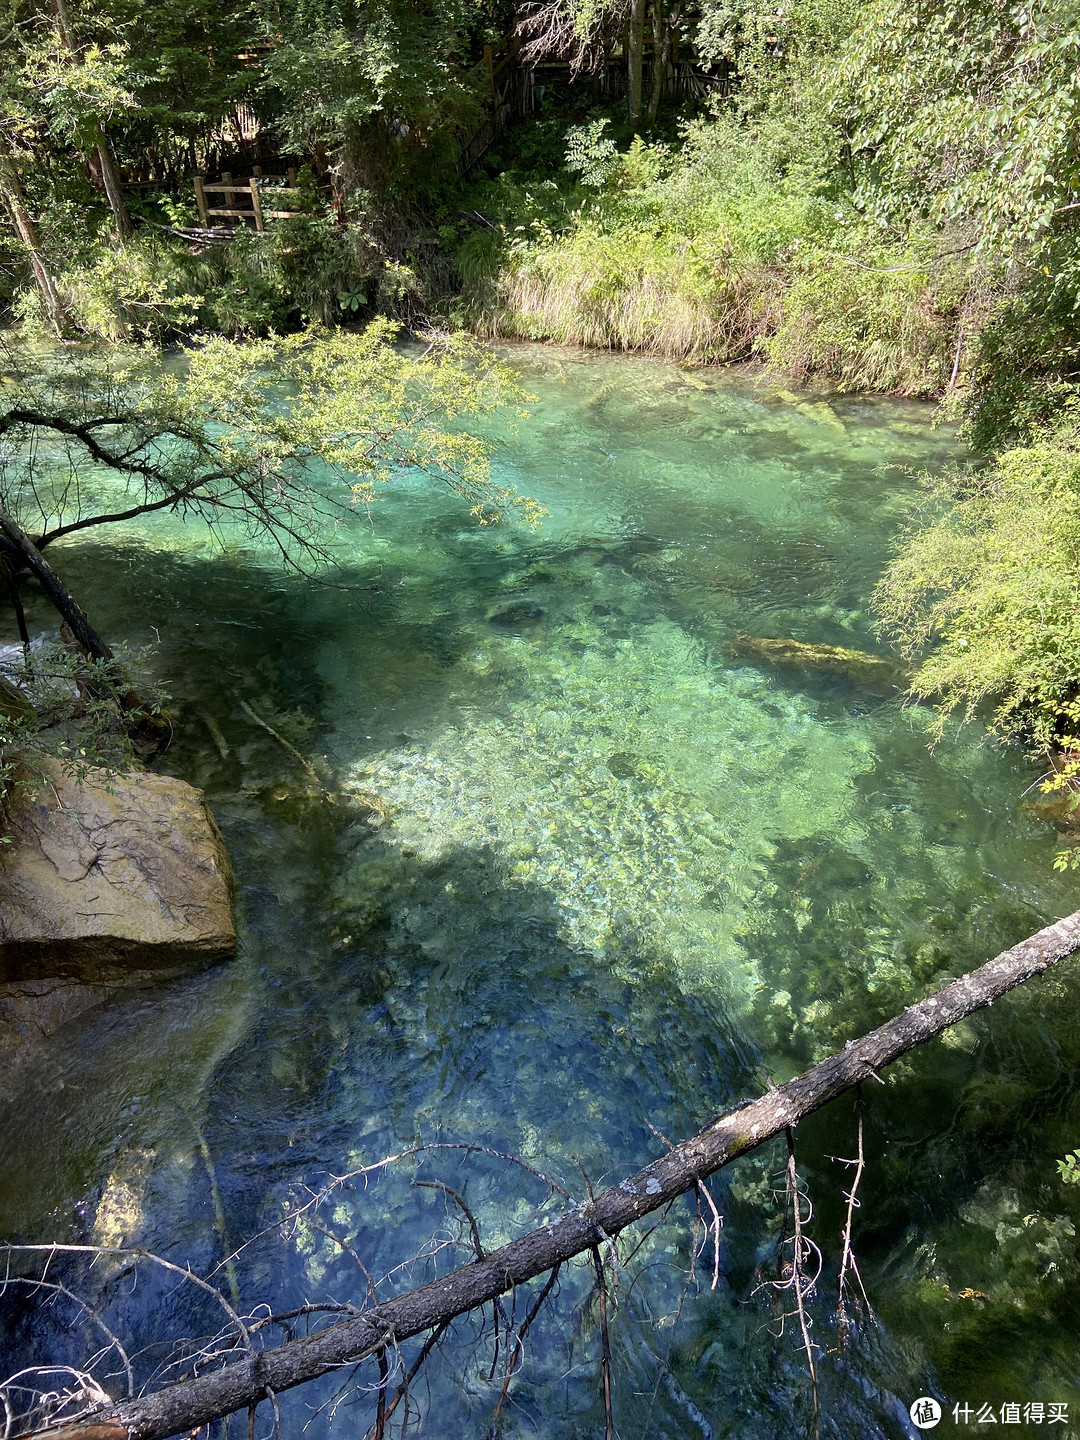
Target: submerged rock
point(111, 878)
point(624, 766)
point(30, 1010)
point(522, 615)
point(871, 671)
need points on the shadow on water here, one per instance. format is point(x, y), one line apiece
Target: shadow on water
point(583, 874)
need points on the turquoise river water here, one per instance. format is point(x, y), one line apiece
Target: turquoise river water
point(597, 869)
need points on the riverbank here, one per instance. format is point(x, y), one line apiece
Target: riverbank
point(859, 318)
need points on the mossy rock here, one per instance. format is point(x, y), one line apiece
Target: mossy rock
point(522, 615)
point(872, 672)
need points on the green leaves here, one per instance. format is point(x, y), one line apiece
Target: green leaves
point(284, 435)
point(983, 591)
point(352, 300)
point(966, 110)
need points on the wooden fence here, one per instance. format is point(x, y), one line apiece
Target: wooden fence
point(256, 194)
point(509, 95)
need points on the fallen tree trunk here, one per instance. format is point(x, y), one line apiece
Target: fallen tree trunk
point(57, 592)
point(190, 1404)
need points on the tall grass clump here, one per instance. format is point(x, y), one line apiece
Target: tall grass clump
point(724, 250)
point(629, 291)
point(883, 320)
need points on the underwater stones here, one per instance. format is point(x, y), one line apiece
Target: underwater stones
point(637, 551)
point(110, 878)
point(521, 615)
point(121, 1211)
point(819, 410)
point(623, 766)
point(884, 677)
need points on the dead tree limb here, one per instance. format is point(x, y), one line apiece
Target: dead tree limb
point(801, 1286)
point(88, 638)
point(189, 1404)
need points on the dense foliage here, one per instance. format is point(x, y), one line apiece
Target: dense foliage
point(98, 439)
point(986, 585)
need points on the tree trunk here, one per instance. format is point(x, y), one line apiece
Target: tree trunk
point(110, 176)
point(11, 189)
point(103, 152)
point(189, 1404)
point(88, 638)
point(663, 33)
point(635, 55)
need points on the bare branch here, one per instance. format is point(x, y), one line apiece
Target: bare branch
point(481, 1253)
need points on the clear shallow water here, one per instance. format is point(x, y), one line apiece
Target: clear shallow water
point(618, 874)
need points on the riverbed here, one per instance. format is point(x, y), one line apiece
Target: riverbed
point(535, 851)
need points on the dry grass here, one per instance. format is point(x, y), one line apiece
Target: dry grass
point(885, 328)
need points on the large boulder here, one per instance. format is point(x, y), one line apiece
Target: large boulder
point(111, 877)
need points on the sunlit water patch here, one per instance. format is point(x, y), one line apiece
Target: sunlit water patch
point(598, 861)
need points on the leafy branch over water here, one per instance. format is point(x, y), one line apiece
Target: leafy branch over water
point(280, 438)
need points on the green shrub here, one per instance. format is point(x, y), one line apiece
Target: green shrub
point(59, 705)
point(294, 272)
point(148, 289)
point(736, 246)
point(881, 321)
point(153, 288)
point(1026, 357)
point(982, 592)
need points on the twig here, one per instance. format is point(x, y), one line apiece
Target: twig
point(716, 1227)
point(481, 1253)
point(425, 1350)
point(847, 1258)
point(94, 1316)
point(380, 1412)
point(601, 1289)
point(338, 1240)
point(519, 1342)
point(56, 1248)
point(796, 1269)
point(308, 768)
point(219, 1209)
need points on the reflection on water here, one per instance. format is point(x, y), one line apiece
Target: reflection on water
point(591, 868)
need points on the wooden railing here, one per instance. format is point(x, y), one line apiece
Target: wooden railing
point(509, 94)
point(256, 192)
